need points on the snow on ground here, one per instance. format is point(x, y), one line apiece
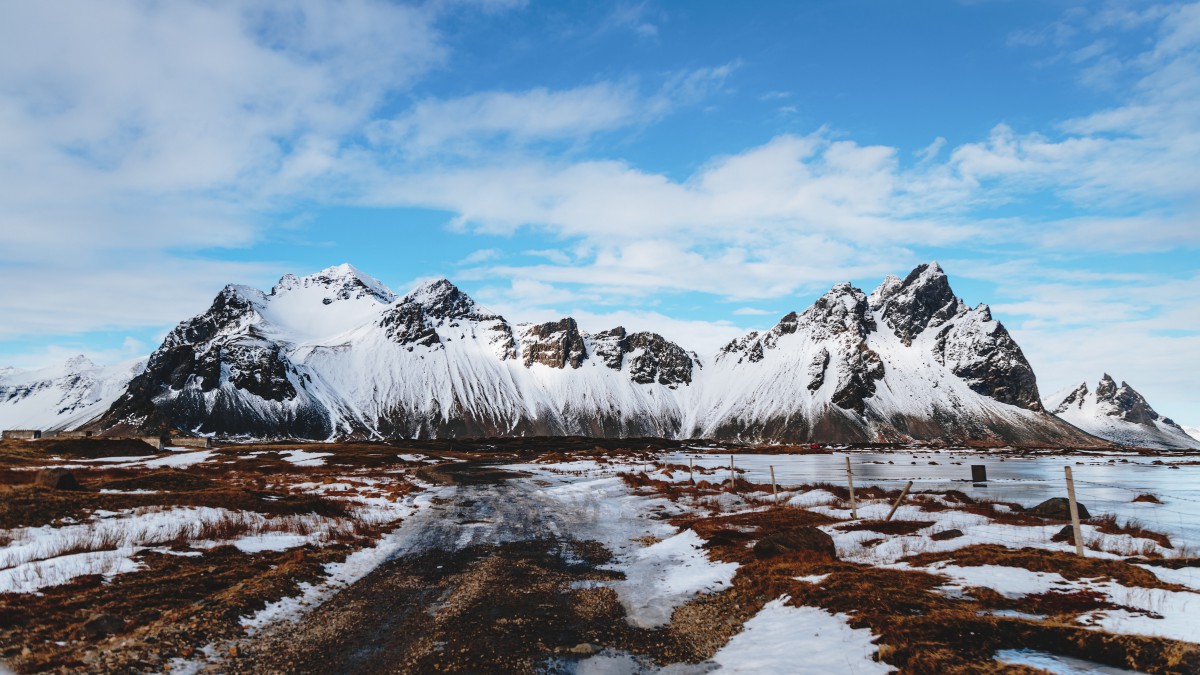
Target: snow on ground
point(1149, 611)
point(177, 458)
point(29, 577)
point(658, 577)
point(976, 529)
point(1187, 576)
point(305, 458)
point(339, 575)
point(770, 642)
point(37, 557)
point(666, 574)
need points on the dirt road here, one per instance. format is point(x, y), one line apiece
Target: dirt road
point(489, 580)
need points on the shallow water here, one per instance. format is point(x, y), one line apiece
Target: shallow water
point(1104, 483)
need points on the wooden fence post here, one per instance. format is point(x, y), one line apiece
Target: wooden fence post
point(898, 500)
point(774, 490)
point(732, 476)
point(850, 480)
point(691, 471)
point(1075, 528)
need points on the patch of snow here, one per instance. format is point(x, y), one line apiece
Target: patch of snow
point(784, 639)
point(29, 577)
point(812, 578)
point(305, 458)
point(664, 575)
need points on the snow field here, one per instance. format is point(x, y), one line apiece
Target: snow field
point(44, 556)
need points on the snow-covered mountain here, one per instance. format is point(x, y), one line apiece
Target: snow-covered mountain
point(338, 354)
point(62, 397)
point(1193, 432)
point(909, 361)
point(1119, 414)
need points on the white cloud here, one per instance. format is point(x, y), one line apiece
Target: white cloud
point(132, 131)
point(537, 114)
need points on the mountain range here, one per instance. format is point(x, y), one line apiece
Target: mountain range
point(337, 354)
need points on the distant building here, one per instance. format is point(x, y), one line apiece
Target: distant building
point(21, 434)
point(155, 442)
point(192, 441)
point(66, 434)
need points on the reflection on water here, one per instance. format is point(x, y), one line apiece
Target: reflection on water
point(1104, 483)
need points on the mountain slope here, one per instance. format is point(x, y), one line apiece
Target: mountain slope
point(337, 354)
point(910, 361)
point(1119, 414)
point(62, 397)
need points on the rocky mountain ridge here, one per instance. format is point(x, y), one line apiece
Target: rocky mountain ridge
point(337, 354)
point(1119, 413)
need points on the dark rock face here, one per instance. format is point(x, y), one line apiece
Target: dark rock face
point(979, 351)
point(1126, 403)
point(1074, 399)
point(407, 325)
point(984, 355)
point(1058, 508)
point(556, 344)
point(221, 346)
point(922, 300)
point(191, 358)
point(856, 383)
point(816, 369)
point(842, 317)
point(800, 540)
point(415, 319)
point(655, 359)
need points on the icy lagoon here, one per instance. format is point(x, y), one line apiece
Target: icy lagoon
point(1105, 483)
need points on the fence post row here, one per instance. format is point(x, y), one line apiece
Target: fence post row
point(1075, 528)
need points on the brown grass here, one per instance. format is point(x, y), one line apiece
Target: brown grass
point(1109, 524)
point(1069, 565)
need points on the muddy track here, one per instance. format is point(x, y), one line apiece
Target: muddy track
point(489, 580)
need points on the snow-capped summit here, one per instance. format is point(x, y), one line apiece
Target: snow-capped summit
point(1119, 414)
point(64, 396)
point(909, 361)
point(337, 354)
point(340, 282)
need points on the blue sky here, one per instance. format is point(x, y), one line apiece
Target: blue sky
point(699, 168)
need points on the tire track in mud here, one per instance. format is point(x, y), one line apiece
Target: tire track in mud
point(488, 580)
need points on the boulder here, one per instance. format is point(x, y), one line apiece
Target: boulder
point(57, 479)
point(1066, 534)
point(103, 625)
point(1058, 508)
point(946, 534)
point(803, 539)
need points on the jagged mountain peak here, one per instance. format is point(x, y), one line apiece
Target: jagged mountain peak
point(78, 363)
point(342, 282)
point(441, 299)
point(923, 299)
point(1118, 413)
